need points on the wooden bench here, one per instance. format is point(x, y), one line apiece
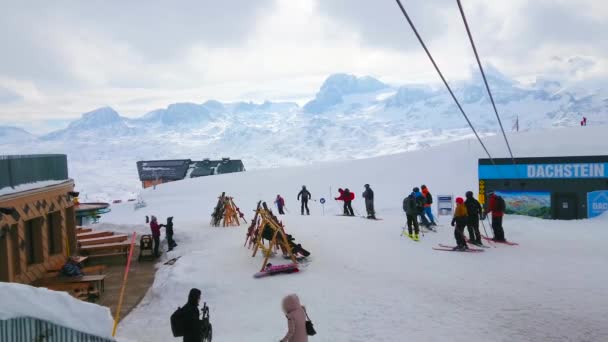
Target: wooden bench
point(93, 235)
point(81, 291)
point(103, 240)
point(106, 249)
point(98, 280)
point(81, 230)
point(89, 270)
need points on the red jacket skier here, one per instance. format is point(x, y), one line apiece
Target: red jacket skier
point(155, 228)
point(347, 197)
point(280, 202)
point(497, 207)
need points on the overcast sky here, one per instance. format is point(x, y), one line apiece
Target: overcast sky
point(59, 59)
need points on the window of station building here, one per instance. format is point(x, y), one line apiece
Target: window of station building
point(54, 233)
point(33, 240)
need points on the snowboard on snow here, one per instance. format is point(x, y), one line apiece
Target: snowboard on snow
point(270, 270)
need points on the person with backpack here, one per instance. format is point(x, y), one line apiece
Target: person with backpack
point(185, 321)
point(420, 202)
point(305, 196)
point(475, 213)
point(368, 194)
point(296, 319)
point(280, 202)
point(428, 210)
point(497, 207)
point(459, 221)
point(411, 209)
point(155, 228)
point(169, 233)
point(347, 197)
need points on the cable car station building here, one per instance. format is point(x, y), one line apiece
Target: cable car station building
point(562, 188)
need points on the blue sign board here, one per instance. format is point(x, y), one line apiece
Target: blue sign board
point(597, 203)
point(322, 200)
point(544, 171)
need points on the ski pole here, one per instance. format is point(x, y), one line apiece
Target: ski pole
point(485, 231)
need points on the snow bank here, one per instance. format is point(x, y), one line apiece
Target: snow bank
point(30, 186)
point(19, 300)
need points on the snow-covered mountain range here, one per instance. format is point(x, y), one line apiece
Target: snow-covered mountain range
point(350, 117)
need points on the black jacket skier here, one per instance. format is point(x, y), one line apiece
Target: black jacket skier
point(169, 233)
point(410, 206)
point(305, 196)
point(475, 213)
point(368, 194)
point(190, 314)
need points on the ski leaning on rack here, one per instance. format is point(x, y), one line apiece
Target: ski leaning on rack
point(508, 243)
point(451, 249)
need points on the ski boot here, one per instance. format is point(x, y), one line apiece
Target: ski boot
point(410, 235)
point(416, 238)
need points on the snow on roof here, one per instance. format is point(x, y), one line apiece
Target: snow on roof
point(20, 300)
point(30, 186)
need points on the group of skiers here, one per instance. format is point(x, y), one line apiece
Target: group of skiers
point(186, 322)
point(469, 213)
point(155, 228)
point(345, 195)
point(418, 204)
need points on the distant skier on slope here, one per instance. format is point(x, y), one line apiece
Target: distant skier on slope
point(305, 196)
point(420, 202)
point(411, 211)
point(347, 197)
point(497, 207)
point(428, 210)
point(475, 213)
point(280, 202)
point(459, 221)
point(368, 194)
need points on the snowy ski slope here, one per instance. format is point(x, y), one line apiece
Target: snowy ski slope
point(364, 282)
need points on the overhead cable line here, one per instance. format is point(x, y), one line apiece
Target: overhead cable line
point(483, 74)
point(428, 53)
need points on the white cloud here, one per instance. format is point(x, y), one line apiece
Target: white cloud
point(64, 58)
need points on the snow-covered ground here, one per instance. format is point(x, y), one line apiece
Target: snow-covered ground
point(364, 282)
point(19, 300)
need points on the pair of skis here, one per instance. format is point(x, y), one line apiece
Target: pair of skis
point(452, 249)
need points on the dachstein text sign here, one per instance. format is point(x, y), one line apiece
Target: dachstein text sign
point(544, 171)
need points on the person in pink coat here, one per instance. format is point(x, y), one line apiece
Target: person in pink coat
point(296, 319)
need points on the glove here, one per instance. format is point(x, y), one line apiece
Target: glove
point(452, 224)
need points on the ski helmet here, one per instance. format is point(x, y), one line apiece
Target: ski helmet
point(469, 194)
point(423, 187)
point(459, 200)
point(416, 189)
point(366, 185)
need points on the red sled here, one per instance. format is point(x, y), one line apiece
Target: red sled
point(278, 269)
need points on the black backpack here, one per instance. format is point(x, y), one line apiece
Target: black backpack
point(500, 204)
point(429, 198)
point(177, 323)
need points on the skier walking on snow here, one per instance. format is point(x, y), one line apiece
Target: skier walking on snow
point(459, 221)
point(280, 202)
point(497, 208)
point(411, 209)
point(428, 210)
point(190, 315)
point(305, 196)
point(368, 194)
point(474, 215)
point(347, 197)
point(420, 202)
point(169, 233)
